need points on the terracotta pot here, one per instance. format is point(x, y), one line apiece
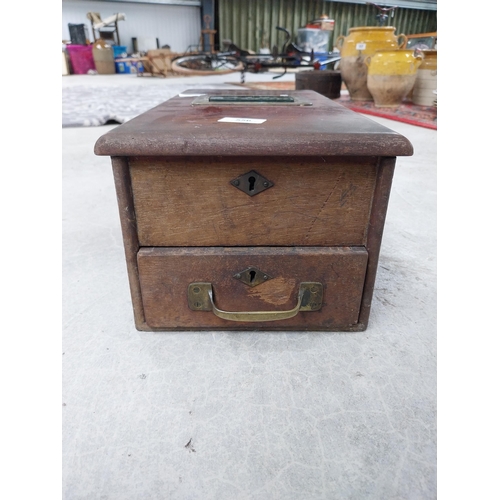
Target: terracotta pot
point(362, 42)
point(426, 82)
point(392, 75)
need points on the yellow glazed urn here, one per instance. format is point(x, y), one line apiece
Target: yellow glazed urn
point(392, 75)
point(360, 43)
point(426, 82)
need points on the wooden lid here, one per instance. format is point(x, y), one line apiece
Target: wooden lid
point(178, 127)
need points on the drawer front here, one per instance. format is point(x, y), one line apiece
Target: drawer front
point(271, 281)
point(191, 202)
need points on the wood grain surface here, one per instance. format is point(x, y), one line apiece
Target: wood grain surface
point(314, 201)
point(123, 187)
point(179, 128)
point(165, 274)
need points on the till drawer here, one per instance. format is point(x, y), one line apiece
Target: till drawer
point(275, 288)
point(225, 202)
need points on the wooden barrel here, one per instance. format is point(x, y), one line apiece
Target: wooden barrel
point(327, 82)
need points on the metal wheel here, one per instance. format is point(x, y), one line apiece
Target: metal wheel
point(206, 64)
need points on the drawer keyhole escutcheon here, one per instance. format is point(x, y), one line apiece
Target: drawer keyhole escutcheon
point(252, 183)
point(252, 276)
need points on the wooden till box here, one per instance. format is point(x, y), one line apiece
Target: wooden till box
point(248, 224)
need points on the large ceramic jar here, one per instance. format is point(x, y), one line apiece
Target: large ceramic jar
point(426, 82)
point(392, 75)
point(361, 42)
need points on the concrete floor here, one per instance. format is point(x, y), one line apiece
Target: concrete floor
point(236, 416)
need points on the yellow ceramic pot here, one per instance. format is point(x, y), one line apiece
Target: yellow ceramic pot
point(361, 42)
point(426, 82)
point(392, 75)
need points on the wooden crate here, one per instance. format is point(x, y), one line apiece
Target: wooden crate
point(159, 61)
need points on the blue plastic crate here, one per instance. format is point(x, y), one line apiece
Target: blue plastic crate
point(127, 67)
point(119, 51)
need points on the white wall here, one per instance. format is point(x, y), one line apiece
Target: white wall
point(174, 25)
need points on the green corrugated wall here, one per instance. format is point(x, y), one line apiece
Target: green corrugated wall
point(252, 23)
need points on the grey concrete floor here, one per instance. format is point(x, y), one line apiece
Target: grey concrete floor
point(241, 416)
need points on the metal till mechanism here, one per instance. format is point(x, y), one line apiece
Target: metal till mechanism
point(251, 100)
point(261, 99)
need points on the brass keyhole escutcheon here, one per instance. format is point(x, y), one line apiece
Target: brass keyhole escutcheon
point(252, 276)
point(252, 183)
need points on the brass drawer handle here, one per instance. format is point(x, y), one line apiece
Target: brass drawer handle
point(200, 298)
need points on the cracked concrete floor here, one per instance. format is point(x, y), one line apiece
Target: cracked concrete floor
point(215, 415)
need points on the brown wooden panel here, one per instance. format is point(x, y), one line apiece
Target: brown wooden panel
point(314, 202)
point(375, 232)
point(177, 127)
point(123, 188)
point(165, 274)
